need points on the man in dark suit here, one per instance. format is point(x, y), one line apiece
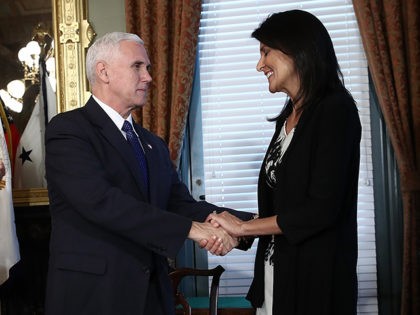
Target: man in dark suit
point(116, 219)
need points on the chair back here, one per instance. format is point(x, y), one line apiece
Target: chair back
point(178, 274)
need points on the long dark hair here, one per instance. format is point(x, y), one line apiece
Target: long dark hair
point(303, 37)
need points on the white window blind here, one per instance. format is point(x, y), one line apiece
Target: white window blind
point(235, 105)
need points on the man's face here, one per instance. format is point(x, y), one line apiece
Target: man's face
point(129, 77)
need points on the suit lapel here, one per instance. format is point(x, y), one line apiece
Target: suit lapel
point(114, 137)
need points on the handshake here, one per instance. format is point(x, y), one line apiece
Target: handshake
point(219, 234)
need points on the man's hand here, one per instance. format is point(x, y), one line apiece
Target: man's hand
point(216, 240)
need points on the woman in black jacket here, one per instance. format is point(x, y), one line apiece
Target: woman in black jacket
point(307, 189)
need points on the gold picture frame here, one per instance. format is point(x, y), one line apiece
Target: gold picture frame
point(72, 36)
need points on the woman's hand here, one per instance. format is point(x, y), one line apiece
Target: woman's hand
point(228, 222)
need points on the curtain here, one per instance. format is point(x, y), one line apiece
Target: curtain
point(169, 29)
point(390, 33)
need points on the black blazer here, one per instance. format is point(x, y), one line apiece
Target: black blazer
point(108, 237)
point(315, 202)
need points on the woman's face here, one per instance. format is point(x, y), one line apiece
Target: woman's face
point(280, 71)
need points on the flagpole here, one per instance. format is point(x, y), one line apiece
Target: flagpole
point(43, 72)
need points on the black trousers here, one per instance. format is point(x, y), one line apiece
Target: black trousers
point(154, 303)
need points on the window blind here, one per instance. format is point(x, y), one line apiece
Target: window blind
point(236, 104)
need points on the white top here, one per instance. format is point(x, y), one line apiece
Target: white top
point(276, 153)
point(273, 159)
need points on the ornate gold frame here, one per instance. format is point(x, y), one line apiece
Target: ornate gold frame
point(72, 36)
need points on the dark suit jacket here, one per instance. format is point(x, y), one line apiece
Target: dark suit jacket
point(108, 237)
point(315, 202)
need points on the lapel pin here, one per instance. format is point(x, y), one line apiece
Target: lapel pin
point(150, 147)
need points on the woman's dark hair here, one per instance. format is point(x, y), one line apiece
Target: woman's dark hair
point(303, 37)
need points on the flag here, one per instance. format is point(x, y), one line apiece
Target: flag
point(9, 247)
point(29, 159)
point(29, 168)
point(47, 91)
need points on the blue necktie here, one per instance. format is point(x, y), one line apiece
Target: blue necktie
point(138, 150)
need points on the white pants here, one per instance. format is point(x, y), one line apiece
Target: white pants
point(267, 307)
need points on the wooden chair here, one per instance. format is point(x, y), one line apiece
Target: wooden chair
point(179, 273)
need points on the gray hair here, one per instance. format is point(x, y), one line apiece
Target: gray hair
point(104, 48)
